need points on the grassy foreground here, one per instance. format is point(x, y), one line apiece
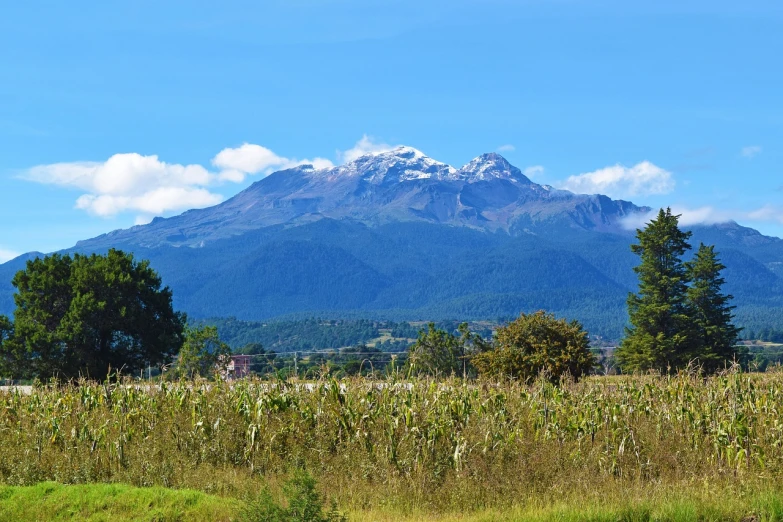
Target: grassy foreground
point(651, 448)
point(111, 502)
point(120, 503)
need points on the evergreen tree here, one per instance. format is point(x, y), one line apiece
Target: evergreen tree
point(7, 364)
point(660, 333)
point(6, 329)
point(715, 335)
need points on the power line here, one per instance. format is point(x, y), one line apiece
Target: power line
point(335, 354)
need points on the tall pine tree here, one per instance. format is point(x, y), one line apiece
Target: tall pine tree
point(715, 335)
point(660, 334)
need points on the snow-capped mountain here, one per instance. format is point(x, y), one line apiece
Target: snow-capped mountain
point(400, 185)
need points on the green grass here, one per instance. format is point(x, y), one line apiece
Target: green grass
point(111, 502)
point(696, 504)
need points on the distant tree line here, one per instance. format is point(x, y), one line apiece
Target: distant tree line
point(307, 334)
point(770, 335)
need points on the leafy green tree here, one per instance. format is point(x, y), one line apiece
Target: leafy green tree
point(660, 334)
point(438, 352)
point(715, 335)
point(203, 354)
point(43, 299)
point(91, 314)
point(537, 344)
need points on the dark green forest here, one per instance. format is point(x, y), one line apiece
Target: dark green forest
point(420, 272)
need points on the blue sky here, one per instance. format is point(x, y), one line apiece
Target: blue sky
point(663, 103)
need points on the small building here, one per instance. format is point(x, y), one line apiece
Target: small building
point(238, 367)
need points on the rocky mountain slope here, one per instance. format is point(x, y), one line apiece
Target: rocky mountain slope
point(402, 185)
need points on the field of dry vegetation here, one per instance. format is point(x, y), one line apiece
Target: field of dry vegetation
point(411, 447)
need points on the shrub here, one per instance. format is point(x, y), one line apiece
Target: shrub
point(439, 352)
point(203, 353)
point(537, 344)
point(304, 504)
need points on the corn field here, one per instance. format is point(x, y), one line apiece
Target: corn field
point(420, 443)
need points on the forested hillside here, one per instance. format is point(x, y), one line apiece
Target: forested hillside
point(421, 272)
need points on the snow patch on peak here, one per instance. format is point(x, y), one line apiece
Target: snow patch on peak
point(403, 151)
point(491, 166)
point(404, 163)
point(399, 164)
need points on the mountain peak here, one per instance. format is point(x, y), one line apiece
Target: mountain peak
point(492, 166)
point(403, 151)
point(401, 154)
point(399, 164)
point(405, 163)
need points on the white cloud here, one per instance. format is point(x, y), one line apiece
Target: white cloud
point(136, 183)
point(767, 213)
point(751, 151)
point(232, 176)
point(507, 148)
point(131, 182)
point(247, 158)
point(317, 163)
point(366, 145)
point(237, 163)
point(703, 215)
point(120, 174)
point(708, 215)
point(7, 255)
point(688, 216)
point(533, 171)
point(642, 179)
point(155, 202)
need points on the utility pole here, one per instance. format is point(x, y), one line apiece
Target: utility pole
point(296, 367)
